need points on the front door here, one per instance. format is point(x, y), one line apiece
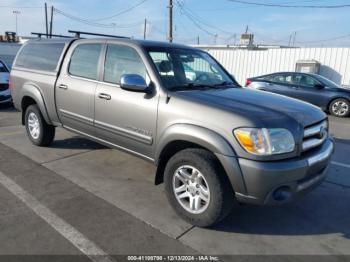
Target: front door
point(76, 87)
point(125, 118)
point(308, 91)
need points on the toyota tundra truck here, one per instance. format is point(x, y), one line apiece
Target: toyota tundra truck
point(214, 143)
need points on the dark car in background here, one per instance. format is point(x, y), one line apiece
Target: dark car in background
point(5, 94)
point(311, 88)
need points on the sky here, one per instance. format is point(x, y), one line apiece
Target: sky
point(209, 21)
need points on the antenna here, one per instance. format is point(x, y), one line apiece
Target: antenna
point(78, 33)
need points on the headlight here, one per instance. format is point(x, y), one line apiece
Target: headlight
point(263, 141)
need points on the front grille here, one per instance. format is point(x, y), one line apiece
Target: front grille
point(4, 87)
point(315, 135)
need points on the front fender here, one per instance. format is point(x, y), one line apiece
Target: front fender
point(197, 135)
point(30, 90)
point(209, 140)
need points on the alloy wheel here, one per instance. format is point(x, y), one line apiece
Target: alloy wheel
point(34, 125)
point(191, 189)
point(340, 108)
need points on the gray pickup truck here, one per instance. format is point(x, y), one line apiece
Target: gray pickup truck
point(213, 142)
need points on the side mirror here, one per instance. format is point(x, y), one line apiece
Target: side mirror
point(133, 82)
point(319, 86)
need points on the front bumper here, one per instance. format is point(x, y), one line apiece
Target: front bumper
point(278, 182)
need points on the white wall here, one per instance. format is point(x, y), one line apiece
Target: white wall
point(335, 62)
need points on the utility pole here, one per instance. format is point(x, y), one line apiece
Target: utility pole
point(145, 29)
point(197, 40)
point(247, 29)
point(290, 39)
point(16, 13)
point(46, 22)
point(51, 21)
point(295, 36)
point(170, 33)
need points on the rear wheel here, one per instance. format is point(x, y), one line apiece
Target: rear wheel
point(340, 107)
point(38, 131)
point(197, 187)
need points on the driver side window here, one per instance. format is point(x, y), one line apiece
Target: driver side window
point(122, 60)
point(306, 81)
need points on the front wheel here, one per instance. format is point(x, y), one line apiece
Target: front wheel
point(38, 131)
point(197, 187)
point(340, 107)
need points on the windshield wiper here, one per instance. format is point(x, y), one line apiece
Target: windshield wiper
point(224, 83)
point(190, 86)
point(193, 86)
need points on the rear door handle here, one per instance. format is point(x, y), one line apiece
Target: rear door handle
point(104, 96)
point(62, 86)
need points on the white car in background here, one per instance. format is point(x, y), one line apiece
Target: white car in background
point(5, 94)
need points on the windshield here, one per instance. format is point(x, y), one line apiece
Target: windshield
point(182, 69)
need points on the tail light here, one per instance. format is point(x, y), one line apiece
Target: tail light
point(248, 82)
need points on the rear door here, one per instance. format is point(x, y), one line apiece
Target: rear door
point(281, 84)
point(76, 85)
point(125, 118)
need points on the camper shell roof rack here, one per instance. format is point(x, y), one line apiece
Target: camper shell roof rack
point(78, 33)
point(51, 35)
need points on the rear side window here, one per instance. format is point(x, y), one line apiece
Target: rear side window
point(40, 56)
point(283, 79)
point(84, 61)
point(3, 68)
point(122, 60)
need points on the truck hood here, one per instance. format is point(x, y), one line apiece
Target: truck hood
point(262, 106)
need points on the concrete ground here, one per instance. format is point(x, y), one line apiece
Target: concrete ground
point(80, 198)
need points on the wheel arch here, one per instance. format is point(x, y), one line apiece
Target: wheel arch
point(31, 95)
point(181, 136)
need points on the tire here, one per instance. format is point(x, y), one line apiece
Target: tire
point(44, 134)
point(340, 107)
point(212, 207)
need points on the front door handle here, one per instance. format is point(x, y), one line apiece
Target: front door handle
point(62, 86)
point(104, 96)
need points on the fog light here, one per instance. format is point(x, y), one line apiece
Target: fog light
point(282, 193)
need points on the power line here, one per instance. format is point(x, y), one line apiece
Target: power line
point(82, 20)
point(288, 6)
point(93, 22)
point(121, 12)
point(89, 22)
point(325, 40)
point(199, 19)
point(189, 16)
